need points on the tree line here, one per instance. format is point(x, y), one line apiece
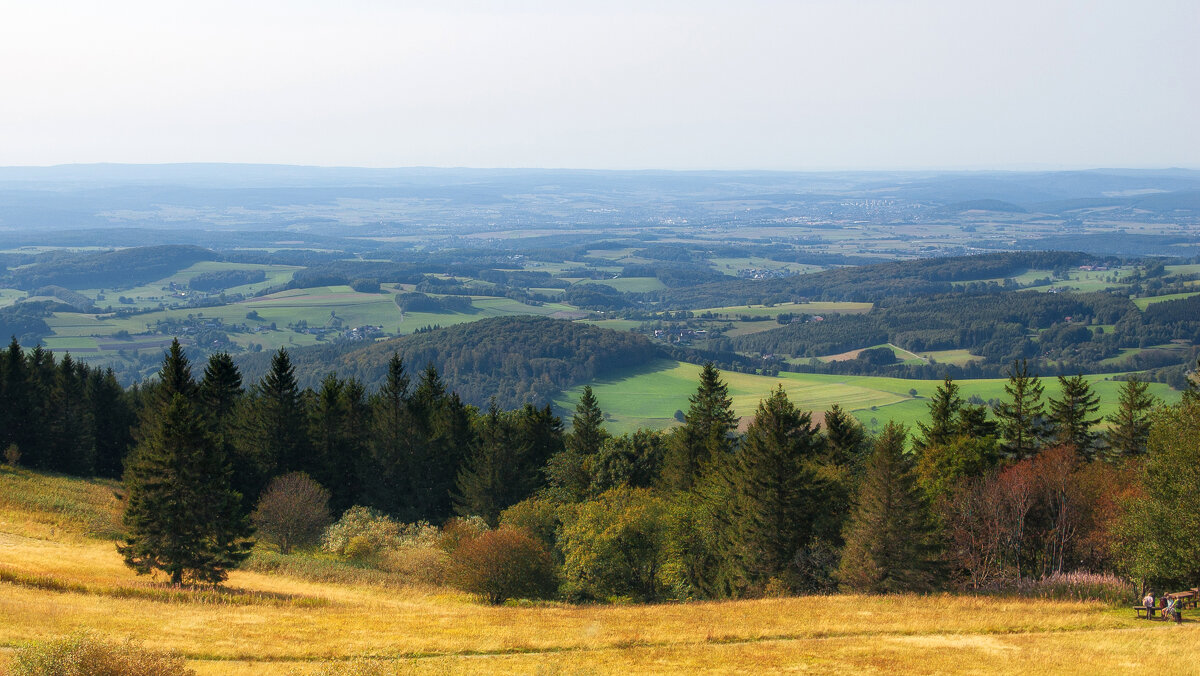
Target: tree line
point(972, 496)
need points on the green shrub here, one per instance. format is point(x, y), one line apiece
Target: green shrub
point(361, 532)
point(505, 563)
point(615, 546)
point(85, 654)
point(536, 515)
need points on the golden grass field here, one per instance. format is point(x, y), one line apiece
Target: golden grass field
point(59, 576)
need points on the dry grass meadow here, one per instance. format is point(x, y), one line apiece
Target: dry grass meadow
point(59, 572)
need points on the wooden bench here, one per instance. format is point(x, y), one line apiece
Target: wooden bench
point(1144, 612)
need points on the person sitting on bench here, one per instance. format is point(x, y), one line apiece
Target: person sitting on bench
point(1170, 611)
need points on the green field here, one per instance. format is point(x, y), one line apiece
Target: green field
point(318, 306)
point(630, 284)
point(10, 296)
point(649, 396)
point(794, 308)
point(1143, 303)
point(153, 293)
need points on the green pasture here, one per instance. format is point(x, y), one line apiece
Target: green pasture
point(819, 307)
point(1143, 303)
point(731, 265)
point(630, 284)
point(956, 357)
point(650, 395)
point(10, 296)
point(152, 293)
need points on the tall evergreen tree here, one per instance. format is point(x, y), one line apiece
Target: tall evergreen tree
point(1129, 425)
point(275, 426)
point(1021, 418)
point(944, 409)
point(112, 420)
point(1070, 415)
point(14, 396)
point(391, 444)
point(442, 437)
point(349, 463)
point(777, 495)
point(569, 472)
point(182, 516)
point(490, 480)
point(175, 376)
point(220, 395)
point(890, 542)
point(39, 383)
point(70, 425)
point(705, 434)
point(844, 437)
point(587, 425)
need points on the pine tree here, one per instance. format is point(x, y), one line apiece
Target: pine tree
point(587, 425)
point(14, 397)
point(391, 444)
point(844, 437)
point(777, 495)
point(112, 420)
point(1070, 415)
point(1021, 418)
point(182, 516)
point(175, 376)
point(441, 438)
point(276, 423)
point(706, 431)
point(39, 383)
point(70, 426)
point(944, 409)
point(349, 462)
point(890, 542)
point(1129, 425)
point(490, 479)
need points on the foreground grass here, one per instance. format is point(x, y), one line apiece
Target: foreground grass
point(291, 621)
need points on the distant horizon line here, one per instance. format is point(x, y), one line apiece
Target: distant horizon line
point(1031, 168)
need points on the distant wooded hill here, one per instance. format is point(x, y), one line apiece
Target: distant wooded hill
point(515, 359)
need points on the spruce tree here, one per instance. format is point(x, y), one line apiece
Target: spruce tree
point(71, 448)
point(705, 434)
point(490, 480)
point(1129, 425)
point(182, 516)
point(1070, 415)
point(14, 397)
point(777, 495)
point(275, 433)
point(112, 420)
point(587, 425)
point(569, 472)
point(890, 541)
point(1021, 418)
point(175, 376)
point(391, 443)
point(944, 409)
point(844, 437)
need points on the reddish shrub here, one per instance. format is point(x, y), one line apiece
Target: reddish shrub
point(503, 564)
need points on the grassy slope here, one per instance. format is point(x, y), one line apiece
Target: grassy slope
point(650, 396)
point(49, 528)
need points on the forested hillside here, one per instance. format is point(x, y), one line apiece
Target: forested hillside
point(110, 268)
point(514, 359)
point(868, 283)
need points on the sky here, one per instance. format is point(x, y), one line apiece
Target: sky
point(747, 84)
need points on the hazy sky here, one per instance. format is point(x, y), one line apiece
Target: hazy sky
point(683, 85)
